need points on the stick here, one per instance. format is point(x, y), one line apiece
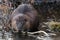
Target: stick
point(31, 33)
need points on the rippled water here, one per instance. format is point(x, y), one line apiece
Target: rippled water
point(45, 38)
point(36, 38)
point(30, 37)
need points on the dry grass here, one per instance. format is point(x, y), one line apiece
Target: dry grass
point(4, 8)
point(55, 26)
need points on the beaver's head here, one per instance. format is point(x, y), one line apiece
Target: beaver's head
point(20, 23)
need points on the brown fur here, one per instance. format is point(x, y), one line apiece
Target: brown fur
point(4, 8)
point(30, 14)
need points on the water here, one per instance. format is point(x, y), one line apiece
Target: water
point(36, 38)
point(8, 36)
point(31, 38)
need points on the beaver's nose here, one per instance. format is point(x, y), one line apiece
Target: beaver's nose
point(20, 26)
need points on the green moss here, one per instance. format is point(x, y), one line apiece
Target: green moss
point(55, 27)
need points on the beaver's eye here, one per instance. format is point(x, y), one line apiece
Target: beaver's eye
point(25, 19)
